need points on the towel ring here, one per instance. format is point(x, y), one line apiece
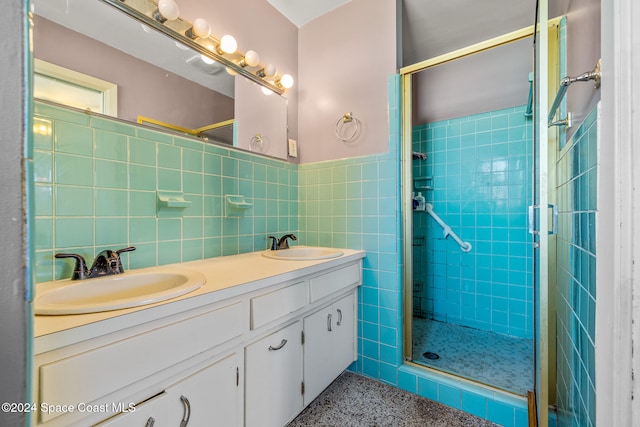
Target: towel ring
point(347, 118)
point(258, 143)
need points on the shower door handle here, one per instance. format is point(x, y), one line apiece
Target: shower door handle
point(532, 219)
point(554, 219)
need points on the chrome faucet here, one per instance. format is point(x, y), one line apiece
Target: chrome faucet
point(282, 243)
point(106, 263)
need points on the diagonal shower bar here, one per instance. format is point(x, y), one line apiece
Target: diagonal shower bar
point(465, 246)
point(564, 85)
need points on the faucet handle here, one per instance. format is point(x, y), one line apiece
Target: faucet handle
point(129, 249)
point(80, 271)
point(119, 268)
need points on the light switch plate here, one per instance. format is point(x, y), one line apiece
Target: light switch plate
point(293, 148)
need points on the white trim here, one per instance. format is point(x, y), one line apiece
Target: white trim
point(617, 220)
point(109, 90)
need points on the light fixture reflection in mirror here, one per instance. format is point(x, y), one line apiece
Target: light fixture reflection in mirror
point(207, 60)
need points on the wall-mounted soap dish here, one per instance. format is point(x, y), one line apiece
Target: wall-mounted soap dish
point(236, 205)
point(171, 203)
point(423, 183)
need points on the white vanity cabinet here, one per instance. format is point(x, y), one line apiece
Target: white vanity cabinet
point(252, 355)
point(329, 345)
point(273, 393)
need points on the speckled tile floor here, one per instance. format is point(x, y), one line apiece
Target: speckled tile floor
point(487, 357)
point(354, 400)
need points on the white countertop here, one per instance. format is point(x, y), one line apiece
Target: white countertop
point(226, 277)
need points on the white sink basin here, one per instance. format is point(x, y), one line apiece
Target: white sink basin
point(130, 289)
point(303, 253)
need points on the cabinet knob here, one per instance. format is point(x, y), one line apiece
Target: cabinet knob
point(278, 347)
point(187, 411)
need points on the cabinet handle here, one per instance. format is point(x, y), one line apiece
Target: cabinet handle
point(187, 411)
point(272, 348)
point(150, 422)
point(329, 322)
point(339, 322)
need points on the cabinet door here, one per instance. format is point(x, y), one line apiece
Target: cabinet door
point(318, 352)
point(329, 346)
point(273, 387)
point(210, 397)
point(344, 338)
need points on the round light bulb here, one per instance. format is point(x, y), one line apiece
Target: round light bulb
point(251, 58)
point(228, 44)
point(201, 28)
point(269, 70)
point(286, 81)
point(169, 9)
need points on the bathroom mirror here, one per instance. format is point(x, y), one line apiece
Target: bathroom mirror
point(156, 80)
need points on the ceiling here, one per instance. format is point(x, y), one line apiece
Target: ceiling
point(302, 11)
point(431, 28)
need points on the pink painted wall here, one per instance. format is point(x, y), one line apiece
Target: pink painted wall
point(345, 59)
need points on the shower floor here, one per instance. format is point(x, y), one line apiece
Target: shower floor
point(484, 356)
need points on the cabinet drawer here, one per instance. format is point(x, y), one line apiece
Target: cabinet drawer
point(334, 281)
point(268, 307)
point(140, 416)
point(88, 376)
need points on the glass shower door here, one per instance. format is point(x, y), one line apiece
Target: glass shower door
point(539, 218)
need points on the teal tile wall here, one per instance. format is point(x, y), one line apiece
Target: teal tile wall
point(354, 203)
point(95, 188)
point(479, 167)
point(577, 171)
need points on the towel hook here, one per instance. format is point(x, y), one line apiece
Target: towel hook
point(347, 118)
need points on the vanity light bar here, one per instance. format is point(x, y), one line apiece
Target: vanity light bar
point(143, 11)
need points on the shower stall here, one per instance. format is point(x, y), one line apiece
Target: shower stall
point(472, 309)
point(469, 172)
